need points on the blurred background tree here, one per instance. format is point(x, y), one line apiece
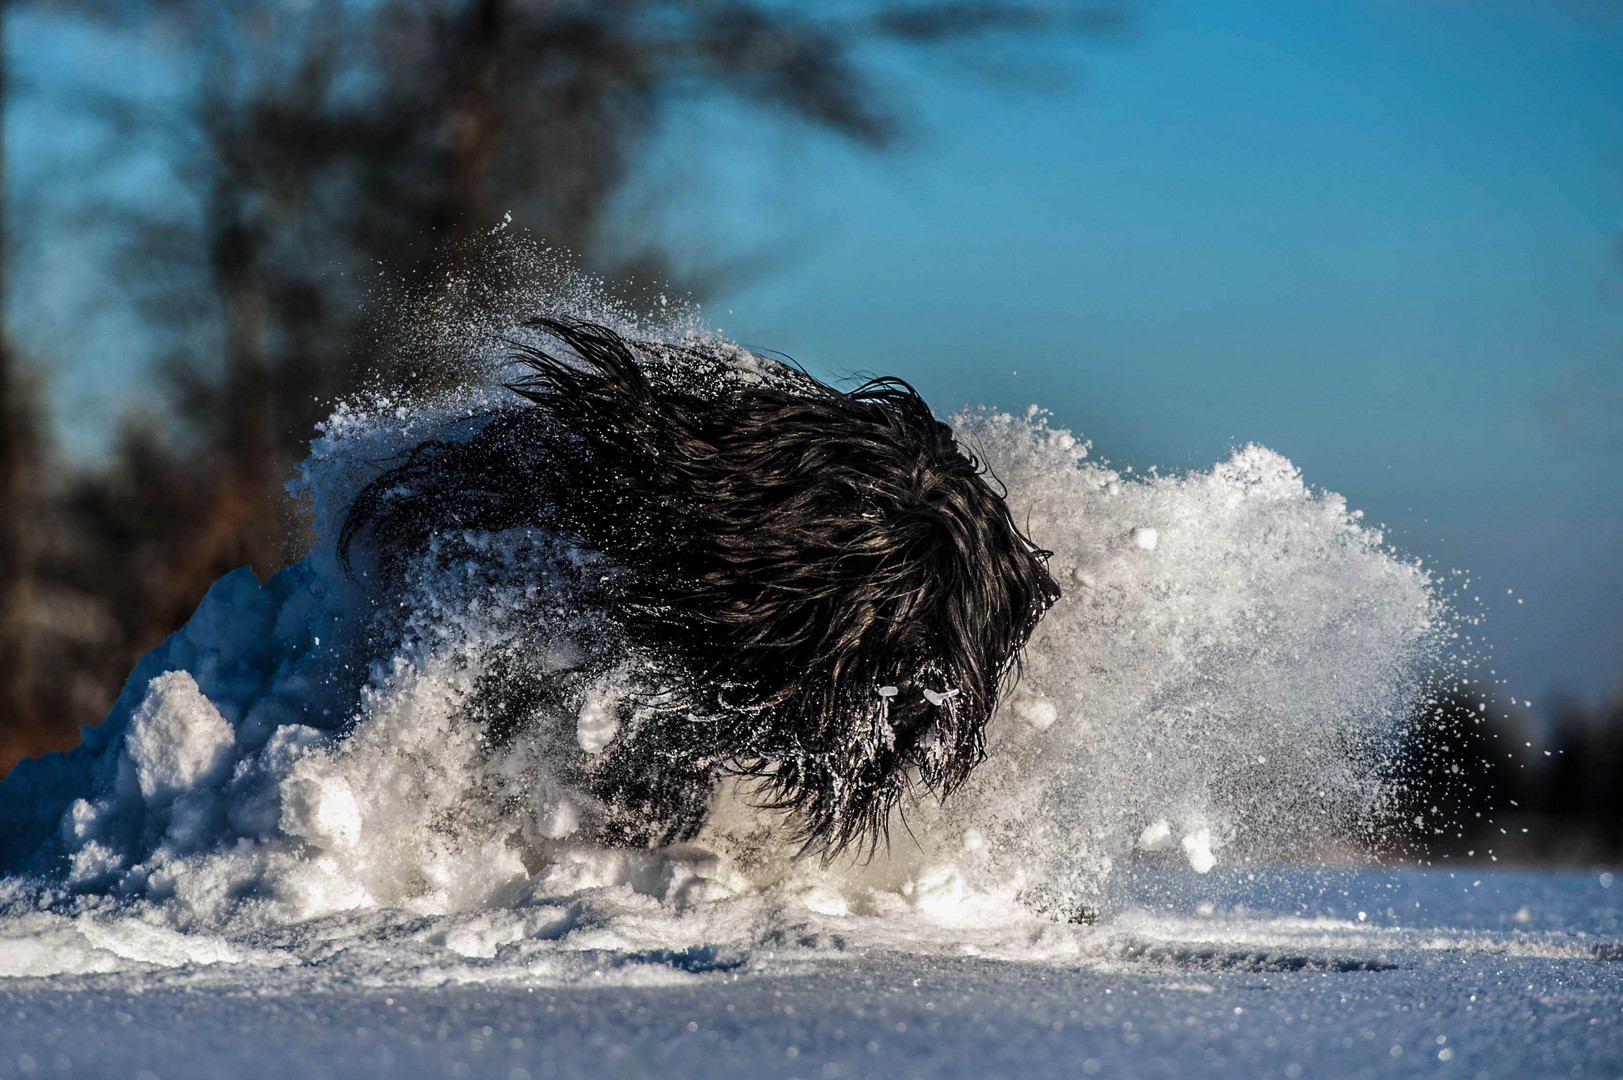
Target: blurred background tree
point(329, 166)
point(317, 146)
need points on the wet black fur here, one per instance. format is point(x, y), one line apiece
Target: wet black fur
point(782, 550)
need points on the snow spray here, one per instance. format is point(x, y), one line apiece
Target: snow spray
point(1221, 684)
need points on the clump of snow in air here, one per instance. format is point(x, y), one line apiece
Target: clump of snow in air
point(1217, 687)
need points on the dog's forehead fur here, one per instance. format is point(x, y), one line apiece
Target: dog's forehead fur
point(786, 550)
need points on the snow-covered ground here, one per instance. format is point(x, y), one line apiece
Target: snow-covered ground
point(292, 849)
point(1344, 974)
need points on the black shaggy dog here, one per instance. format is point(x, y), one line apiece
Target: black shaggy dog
point(829, 592)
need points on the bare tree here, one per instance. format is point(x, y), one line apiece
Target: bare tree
point(19, 453)
point(329, 141)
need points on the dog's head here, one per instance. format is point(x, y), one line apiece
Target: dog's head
point(840, 589)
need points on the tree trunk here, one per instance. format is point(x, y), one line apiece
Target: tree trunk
point(19, 514)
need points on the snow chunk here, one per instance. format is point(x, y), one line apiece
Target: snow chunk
point(937, 890)
point(598, 723)
point(322, 810)
point(1197, 845)
point(1156, 836)
point(177, 738)
point(561, 820)
point(1036, 712)
point(825, 900)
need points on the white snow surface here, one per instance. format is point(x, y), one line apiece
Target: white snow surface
point(288, 802)
point(1282, 974)
point(1234, 686)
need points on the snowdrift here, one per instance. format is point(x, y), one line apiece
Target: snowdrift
point(1219, 685)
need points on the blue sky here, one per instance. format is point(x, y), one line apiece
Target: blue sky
point(1382, 238)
